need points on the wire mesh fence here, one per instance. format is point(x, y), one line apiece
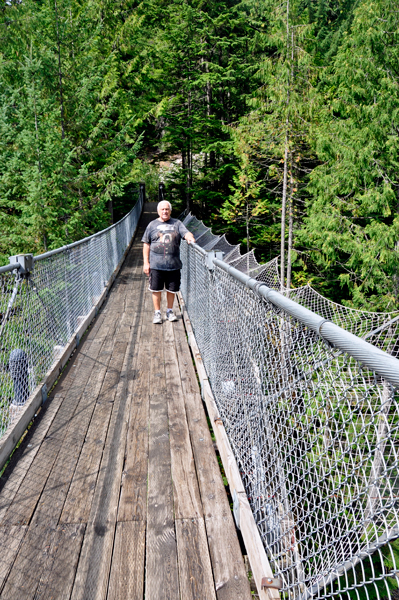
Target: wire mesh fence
point(315, 432)
point(42, 310)
point(380, 329)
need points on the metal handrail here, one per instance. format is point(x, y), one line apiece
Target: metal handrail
point(8, 268)
point(372, 357)
point(82, 241)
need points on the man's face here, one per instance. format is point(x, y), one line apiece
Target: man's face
point(164, 211)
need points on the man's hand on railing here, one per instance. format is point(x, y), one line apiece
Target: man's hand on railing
point(190, 239)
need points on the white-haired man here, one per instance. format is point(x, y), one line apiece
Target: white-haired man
point(161, 254)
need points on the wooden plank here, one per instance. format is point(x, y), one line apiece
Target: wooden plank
point(91, 578)
point(157, 364)
point(125, 287)
point(162, 580)
point(231, 580)
point(95, 330)
point(230, 576)
point(213, 492)
point(51, 503)
point(96, 353)
point(24, 501)
point(10, 541)
point(256, 553)
point(72, 368)
point(133, 499)
point(78, 503)
point(52, 498)
point(24, 456)
point(196, 581)
point(160, 493)
point(91, 582)
point(187, 502)
point(62, 557)
point(29, 492)
point(29, 565)
point(127, 571)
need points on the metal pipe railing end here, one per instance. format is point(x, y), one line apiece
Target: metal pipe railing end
point(8, 268)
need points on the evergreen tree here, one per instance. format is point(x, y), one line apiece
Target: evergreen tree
point(67, 129)
point(352, 223)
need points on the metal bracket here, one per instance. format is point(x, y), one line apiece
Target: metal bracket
point(270, 582)
point(44, 393)
point(236, 509)
point(26, 262)
point(210, 256)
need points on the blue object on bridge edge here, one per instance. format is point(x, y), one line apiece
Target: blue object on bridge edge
point(18, 365)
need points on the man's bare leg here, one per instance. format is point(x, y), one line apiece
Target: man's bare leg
point(170, 298)
point(156, 299)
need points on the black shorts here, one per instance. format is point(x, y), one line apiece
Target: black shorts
point(169, 280)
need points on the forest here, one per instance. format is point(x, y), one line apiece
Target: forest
point(275, 122)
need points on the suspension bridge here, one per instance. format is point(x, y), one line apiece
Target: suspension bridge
point(115, 490)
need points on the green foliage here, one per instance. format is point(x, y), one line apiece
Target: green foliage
point(66, 124)
point(352, 219)
point(383, 560)
point(252, 98)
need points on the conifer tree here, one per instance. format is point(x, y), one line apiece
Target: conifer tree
point(68, 137)
point(353, 224)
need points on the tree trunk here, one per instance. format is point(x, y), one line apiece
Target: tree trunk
point(247, 226)
point(284, 199)
point(110, 207)
point(59, 71)
point(290, 229)
point(291, 199)
point(283, 211)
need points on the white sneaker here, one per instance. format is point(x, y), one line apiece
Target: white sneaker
point(157, 320)
point(170, 315)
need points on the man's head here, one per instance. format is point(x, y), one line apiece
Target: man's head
point(164, 210)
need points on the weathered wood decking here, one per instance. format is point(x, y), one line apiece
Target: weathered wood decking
point(116, 493)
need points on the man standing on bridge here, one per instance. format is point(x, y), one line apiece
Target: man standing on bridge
point(161, 253)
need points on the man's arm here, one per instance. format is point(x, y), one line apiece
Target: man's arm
point(189, 237)
point(146, 258)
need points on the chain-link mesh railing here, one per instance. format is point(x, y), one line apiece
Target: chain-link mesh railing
point(312, 414)
point(41, 311)
point(381, 329)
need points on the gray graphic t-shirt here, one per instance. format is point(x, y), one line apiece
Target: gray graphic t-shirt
point(164, 240)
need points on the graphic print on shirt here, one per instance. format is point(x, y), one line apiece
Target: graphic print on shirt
point(166, 240)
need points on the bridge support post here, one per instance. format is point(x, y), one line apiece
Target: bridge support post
point(142, 191)
point(161, 191)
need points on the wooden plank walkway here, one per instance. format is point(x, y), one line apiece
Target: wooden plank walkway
point(115, 492)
